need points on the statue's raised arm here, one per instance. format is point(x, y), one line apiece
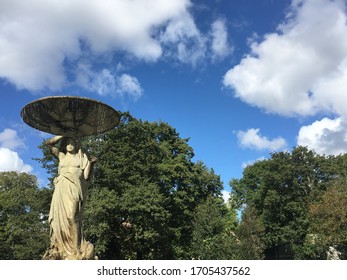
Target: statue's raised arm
point(51, 144)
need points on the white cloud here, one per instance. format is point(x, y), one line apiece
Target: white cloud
point(183, 40)
point(38, 38)
point(103, 82)
point(41, 41)
point(129, 85)
point(219, 45)
point(179, 28)
point(10, 161)
point(331, 90)
point(302, 68)
point(252, 139)
point(327, 136)
point(107, 83)
point(9, 139)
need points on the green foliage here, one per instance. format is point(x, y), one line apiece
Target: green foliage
point(101, 221)
point(148, 199)
point(48, 162)
point(213, 235)
point(281, 190)
point(144, 207)
point(328, 222)
point(250, 234)
point(24, 232)
point(144, 191)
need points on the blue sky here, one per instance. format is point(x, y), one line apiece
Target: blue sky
point(240, 78)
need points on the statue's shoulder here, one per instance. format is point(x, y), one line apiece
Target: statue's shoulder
point(60, 155)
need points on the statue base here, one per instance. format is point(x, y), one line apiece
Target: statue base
point(86, 252)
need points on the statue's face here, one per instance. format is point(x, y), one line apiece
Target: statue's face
point(71, 145)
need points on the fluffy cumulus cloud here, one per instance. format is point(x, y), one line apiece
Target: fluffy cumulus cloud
point(290, 72)
point(300, 70)
point(252, 139)
point(40, 39)
point(10, 160)
point(326, 136)
point(38, 36)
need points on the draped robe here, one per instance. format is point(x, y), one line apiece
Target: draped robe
point(66, 211)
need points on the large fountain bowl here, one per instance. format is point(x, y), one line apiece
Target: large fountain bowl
point(70, 116)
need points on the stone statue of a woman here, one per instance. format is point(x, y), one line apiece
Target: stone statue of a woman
point(69, 198)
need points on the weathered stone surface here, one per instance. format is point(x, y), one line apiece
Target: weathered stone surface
point(70, 118)
point(68, 201)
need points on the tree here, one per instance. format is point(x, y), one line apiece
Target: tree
point(144, 191)
point(281, 188)
point(328, 224)
point(213, 234)
point(250, 234)
point(24, 232)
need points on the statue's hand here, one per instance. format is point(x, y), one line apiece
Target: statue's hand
point(54, 140)
point(93, 160)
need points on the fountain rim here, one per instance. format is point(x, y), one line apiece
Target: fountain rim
point(71, 97)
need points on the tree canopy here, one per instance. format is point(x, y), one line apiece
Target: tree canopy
point(289, 191)
point(148, 199)
point(144, 192)
point(24, 233)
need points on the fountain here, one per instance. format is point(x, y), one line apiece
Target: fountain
point(69, 118)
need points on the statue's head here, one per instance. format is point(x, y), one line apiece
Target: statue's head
point(70, 144)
